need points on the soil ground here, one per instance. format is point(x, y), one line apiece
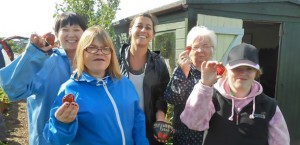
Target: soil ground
point(15, 118)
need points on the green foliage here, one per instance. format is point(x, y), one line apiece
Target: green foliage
point(17, 46)
point(169, 118)
point(3, 100)
point(3, 96)
point(96, 12)
point(165, 43)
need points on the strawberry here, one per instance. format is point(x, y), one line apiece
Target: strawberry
point(160, 135)
point(49, 38)
point(188, 48)
point(164, 136)
point(68, 98)
point(220, 69)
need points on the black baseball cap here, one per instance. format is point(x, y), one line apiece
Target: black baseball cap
point(243, 55)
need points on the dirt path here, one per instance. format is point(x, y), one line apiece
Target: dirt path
point(16, 122)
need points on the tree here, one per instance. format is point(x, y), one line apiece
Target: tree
point(96, 12)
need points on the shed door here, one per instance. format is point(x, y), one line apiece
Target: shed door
point(229, 33)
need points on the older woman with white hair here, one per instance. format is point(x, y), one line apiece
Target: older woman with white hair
point(200, 45)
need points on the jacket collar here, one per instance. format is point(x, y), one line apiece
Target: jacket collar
point(85, 77)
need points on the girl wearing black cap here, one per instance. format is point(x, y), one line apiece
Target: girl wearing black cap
point(234, 110)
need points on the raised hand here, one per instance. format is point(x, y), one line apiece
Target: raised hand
point(209, 73)
point(40, 42)
point(184, 62)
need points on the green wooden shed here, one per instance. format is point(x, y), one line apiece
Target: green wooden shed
point(273, 26)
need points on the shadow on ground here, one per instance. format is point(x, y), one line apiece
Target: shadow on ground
point(15, 118)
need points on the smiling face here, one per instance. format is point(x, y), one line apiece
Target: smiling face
point(69, 36)
point(202, 50)
point(96, 63)
point(141, 31)
point(241, 78)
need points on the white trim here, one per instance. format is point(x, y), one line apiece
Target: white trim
point(116, 112)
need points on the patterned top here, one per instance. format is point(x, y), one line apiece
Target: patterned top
point(177, 93)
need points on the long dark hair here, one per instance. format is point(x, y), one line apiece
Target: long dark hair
point(150, 16)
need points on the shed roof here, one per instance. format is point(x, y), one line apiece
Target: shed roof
point(183, 4)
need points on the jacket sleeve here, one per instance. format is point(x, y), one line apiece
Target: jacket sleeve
point(278, 131)
point(177, 91)
point(139, 128)
point(18, 79)
point(56, 132)
point(161, 104)
point(199, 108)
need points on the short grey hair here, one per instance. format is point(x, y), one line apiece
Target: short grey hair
point(202, 31)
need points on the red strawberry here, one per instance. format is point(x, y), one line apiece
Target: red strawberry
point(160, 135)
point(49, 38)
point(188, 48)
point(220, 69)
point(164, 136)
point(68, 98)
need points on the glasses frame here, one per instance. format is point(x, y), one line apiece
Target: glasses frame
point(96, 50)
point(205, 48)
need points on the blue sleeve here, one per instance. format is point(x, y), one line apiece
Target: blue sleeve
point(177, 91)
point(56, 132)
point(18, 79)
point(139, 129)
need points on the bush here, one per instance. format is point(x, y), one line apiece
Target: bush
point(3, 100)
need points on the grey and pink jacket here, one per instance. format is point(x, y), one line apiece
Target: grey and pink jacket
point(200, 109)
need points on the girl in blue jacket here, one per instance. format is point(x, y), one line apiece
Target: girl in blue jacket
point(106, 109)
point(38, 73)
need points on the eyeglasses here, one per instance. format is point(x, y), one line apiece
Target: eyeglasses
point(204, 47)
point(94, 50)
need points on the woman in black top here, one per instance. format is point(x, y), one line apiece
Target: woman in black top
point(147, 70)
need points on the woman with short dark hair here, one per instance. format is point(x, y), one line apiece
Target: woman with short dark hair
point(37, 74)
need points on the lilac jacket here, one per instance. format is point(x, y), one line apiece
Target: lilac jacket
point(199, 109)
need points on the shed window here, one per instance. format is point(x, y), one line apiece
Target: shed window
point(165, 43)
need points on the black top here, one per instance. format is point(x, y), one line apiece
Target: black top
point(241, 130)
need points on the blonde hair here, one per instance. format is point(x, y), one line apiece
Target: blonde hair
point(87, 38)
point(201, 31)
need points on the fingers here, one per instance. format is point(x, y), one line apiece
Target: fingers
point(184, 58)
point(40, 42)
point(67, 112)
point(209, 73)
point(37, 40)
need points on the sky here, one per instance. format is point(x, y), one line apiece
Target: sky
point(23, 17)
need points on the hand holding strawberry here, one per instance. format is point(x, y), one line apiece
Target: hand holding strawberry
point(162, 131)
point(40, 41)
point(67, 112)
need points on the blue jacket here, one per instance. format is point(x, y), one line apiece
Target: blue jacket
point(36, 76)
point(109, 114)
